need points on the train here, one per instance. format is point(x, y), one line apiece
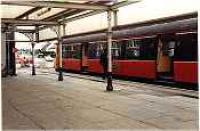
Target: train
point(162, 49)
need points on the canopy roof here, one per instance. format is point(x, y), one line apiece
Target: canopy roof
point(54, 11)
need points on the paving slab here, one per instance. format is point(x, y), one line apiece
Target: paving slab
point(41, 102)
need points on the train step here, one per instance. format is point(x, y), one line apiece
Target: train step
point(165, 82)
point(169, 78)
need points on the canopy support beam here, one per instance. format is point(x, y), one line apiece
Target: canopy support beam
point(53, 4)
point(26, 14)
point(26, 22)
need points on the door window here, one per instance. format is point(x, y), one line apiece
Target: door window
point(186, 47)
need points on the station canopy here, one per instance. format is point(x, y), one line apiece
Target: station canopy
point(57, 11)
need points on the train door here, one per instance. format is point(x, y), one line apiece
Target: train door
point(165, 54)
point(185, 59)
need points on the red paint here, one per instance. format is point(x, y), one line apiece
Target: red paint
point(135, 68)
point(186, 71)
point(72, 64)
point(94, 66)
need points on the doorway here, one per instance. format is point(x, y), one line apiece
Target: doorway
point(165, 56)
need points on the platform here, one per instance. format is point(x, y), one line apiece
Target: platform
point(41, 102)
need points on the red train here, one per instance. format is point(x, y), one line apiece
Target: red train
point(160, 49)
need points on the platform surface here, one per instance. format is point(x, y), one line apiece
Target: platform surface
point(41, 102)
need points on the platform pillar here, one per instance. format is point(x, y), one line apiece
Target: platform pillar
point(115, 17)
point(60, 74)
point(33, 61)
point(109, 54)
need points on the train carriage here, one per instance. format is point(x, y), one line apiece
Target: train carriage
point(162, 49)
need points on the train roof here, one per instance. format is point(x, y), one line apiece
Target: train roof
point(144, 23)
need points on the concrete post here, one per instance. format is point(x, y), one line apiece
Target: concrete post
point(60, 75)
point(109, 54)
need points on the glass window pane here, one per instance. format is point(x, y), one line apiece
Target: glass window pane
point(143, 49)
point(186, 48)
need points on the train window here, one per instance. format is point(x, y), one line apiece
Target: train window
point(99, 48)
point(67, 52)
point(143, 49)
point(116, 50)
point(186, 47)
point(168, 48)
point(171, 47)
point(76, 52)
point(92, 51)
point(67, 48)
point(148, 49)
point(169, 43)
point(133, 49)
point(71, 51)
point(95, 49)
point(172, 44)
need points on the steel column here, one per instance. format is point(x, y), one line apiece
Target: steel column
point(37, 34)
point(64, 32)
point(7, 54)
point(13, 59)
point(115, 14)
point(109, 54)
point(33, 45)
point(10, 54)
point(33, 61)
point(60, 75)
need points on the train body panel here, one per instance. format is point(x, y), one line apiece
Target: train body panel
point(185, 71)
point(94, 66)
point(135, 68)
point(72, 64)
